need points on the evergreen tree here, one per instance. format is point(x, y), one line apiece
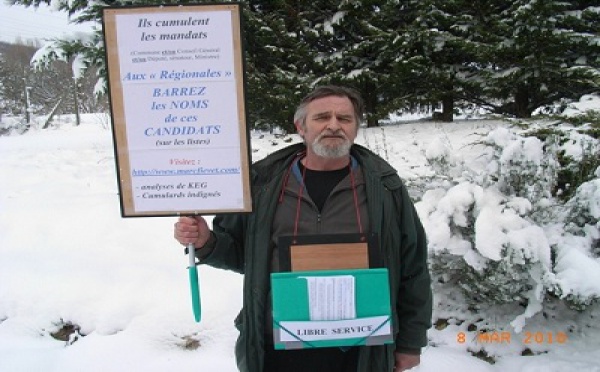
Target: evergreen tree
point(362, 47)
point(279, 59)
point(509, 56)
point(539, 52)
point(448, 44)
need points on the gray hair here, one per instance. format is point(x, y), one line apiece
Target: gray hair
point(327, 91)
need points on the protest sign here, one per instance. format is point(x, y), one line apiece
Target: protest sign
point(176, 84)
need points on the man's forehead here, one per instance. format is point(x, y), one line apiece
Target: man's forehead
point(331, 104)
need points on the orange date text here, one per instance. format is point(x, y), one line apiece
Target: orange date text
point(527, 338)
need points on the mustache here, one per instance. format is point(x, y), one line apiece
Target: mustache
point(328, 133)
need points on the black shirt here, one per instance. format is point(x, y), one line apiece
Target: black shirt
point(319, 184)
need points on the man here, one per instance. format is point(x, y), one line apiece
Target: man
point(327, 185)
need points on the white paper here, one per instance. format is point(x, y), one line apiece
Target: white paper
point(335, 330)
point(331, 297)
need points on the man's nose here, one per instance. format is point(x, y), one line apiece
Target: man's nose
point(334, 124)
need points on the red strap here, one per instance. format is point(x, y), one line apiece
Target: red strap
point(298, 203)
point(360, 228)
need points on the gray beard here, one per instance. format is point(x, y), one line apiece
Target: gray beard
point(331, 152)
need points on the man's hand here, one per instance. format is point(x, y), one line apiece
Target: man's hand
point(405, 362)
point(192, 230)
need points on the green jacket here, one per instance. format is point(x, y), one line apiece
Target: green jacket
point(242, 240)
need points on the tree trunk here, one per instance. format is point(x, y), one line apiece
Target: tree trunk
point(76, 101)
point(369, 94)
point(522, 110)
point(447, 107)
point(27, 105)
point(372, 121)
point(49, 120)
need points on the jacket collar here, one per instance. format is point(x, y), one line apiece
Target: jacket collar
point(279, 161)
point(298, 173)
point(371, 162)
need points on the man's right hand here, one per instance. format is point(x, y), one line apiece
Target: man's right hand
point(193, 230)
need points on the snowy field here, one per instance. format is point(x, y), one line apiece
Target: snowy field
point(118, 288)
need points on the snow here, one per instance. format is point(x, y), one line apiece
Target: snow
point(67, 257)
point(570, 263)
point(335, 20)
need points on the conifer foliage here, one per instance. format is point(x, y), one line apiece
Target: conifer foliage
point(512, 57)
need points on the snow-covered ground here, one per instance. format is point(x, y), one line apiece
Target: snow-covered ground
point(67, 258)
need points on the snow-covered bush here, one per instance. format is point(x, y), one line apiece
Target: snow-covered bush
point(576, 150)
point(483, 243)
point(519, 165)
point(577, 247)
point(500, 234)
point(583, 217)
point(441, 159)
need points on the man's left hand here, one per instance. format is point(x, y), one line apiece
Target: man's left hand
point(406, 361)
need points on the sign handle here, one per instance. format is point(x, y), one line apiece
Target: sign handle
point(194, 287)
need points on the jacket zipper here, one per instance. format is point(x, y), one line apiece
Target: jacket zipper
point(319, 220)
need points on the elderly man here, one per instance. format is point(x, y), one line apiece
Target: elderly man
point(326, 185)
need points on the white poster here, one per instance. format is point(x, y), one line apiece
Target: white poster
point(176, 83)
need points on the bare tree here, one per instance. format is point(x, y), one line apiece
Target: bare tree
point(25, 90)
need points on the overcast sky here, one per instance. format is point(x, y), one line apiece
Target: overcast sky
point(30, 23)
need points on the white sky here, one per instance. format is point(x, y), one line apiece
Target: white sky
point(25, 23)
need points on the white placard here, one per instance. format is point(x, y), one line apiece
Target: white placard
point(176, 84)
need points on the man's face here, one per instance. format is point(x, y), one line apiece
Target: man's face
point(330, 127)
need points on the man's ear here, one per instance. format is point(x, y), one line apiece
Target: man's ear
point(299, 128)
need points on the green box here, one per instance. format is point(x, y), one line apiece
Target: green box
point(294, 329)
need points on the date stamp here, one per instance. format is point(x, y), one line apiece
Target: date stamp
point(527, 338)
